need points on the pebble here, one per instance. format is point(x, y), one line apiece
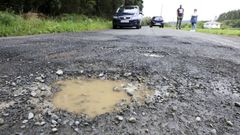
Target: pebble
point(42, 123)
point(54, 116)
point(54, 129)
point(198, 119)
point(213, 132)
point(132, 120)
point(5, 114)
point(54, 122)
point(237, 104)
point(42, 88)
point(229, 123)
point(30, 115)
point(1, 121)
point(39, 79)
point(33, 93)
point(119, 118)
point(59, 72)
point(101, 75)
point(117, 89)
point(24, 121)
point(77, 123)
point(127, 74)
point(14, 84)
point(76, 129)
point(23, 126)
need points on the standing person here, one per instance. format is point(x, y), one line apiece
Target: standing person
point(194, 20)
point(180, 13)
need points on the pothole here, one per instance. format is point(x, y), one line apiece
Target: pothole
point(96, 97)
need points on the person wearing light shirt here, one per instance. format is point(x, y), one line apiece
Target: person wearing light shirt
point(194, 20)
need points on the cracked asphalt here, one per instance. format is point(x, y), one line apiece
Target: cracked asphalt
point(195, 76)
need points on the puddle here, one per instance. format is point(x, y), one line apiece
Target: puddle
point(93, 97)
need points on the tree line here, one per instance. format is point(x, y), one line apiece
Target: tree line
point(231, 15)
point(103, 8)
point(231, 18)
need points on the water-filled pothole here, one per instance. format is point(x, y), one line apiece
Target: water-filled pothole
point(95, 97)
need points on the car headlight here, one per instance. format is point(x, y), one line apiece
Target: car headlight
point(135, 18)
point(115, 17)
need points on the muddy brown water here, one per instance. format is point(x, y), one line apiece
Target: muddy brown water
point(91, 97)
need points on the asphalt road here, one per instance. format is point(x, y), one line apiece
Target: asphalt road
point(196, 77)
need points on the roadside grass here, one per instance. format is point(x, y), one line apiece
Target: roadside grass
point(225, 31)
point(229, 32)
point(18, 25)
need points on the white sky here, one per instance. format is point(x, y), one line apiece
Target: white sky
point(207, 9)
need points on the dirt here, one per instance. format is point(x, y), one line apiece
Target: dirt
point(96, 97)
point(195, 78)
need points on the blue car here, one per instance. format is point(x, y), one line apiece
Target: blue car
point(157, 21)
point(127, 16)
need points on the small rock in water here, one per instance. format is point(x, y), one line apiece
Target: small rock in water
point(30, 115)
point(213, 132)
point(132, 120)
point(117, 89)
point(130, 89)
point(54, 129)
point(229, 123)
point(1, 121)
point(59, 72)
point(237, 104)
point(119, 118)
point(198, 119)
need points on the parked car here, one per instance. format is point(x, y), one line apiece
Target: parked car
point(127, 16)
point(157, 21)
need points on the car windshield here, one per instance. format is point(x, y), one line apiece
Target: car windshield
point(157, 18)
point(127, 10)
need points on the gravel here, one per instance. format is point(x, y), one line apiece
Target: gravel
point(192, 74)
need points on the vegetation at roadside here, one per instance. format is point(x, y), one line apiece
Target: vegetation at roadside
point(230, 19)
point(101, 8)
point(27, 17)
point(32, 23)
point(230, 32)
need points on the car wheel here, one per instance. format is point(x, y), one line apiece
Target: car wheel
point(150, 26)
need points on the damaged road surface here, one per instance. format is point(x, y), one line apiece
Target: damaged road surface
point(194, 78)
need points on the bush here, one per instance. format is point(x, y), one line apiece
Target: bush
point(146, 21)
point(7, 19)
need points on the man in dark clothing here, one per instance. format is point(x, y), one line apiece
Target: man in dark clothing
point(180, 13)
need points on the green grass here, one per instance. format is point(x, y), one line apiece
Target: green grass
point(225, 31)
point(229, 32)
point(16, 25)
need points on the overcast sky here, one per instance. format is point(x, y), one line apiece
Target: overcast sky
point(207, 9)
